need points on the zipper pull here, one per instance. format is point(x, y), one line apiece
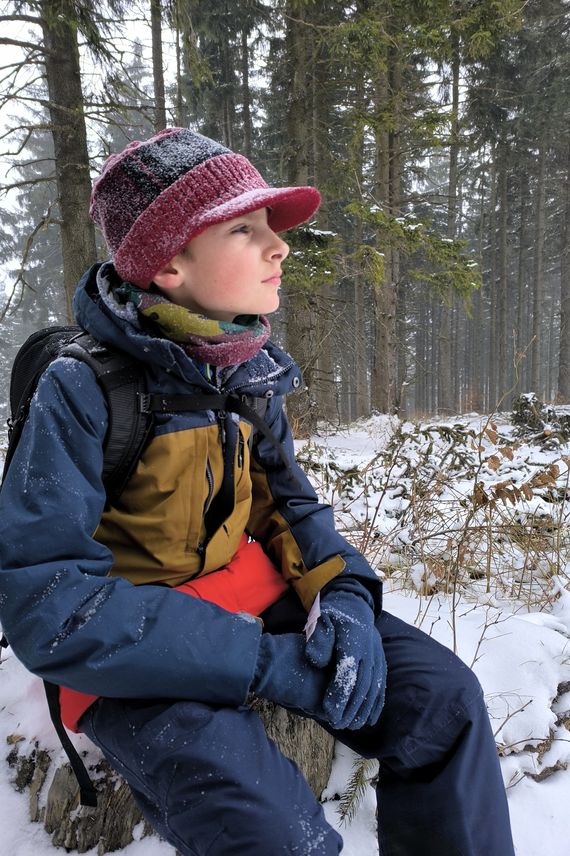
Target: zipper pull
point(201, 550)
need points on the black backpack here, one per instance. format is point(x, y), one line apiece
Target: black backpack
point(131, 412)
point(118, 374)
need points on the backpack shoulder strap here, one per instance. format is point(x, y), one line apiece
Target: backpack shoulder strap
point(123, 382)
point(87, 792)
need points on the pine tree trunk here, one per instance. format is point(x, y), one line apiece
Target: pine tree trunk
point(185, 40)
point(299, 303)
point(446, 403)
point(444, 390)
point(538, 273)
point(520, 342)
point(228, 97)
point(564, 353)
point(327, 391)
point(246, 95)
point(397, 345)
point(456, 350)
point(502, 334)
point(493, 344)
point(420, 342)
point(402, 367)
point(181, 113)
point(384, 353)
point(551, 359)
point(359, 375)
point(66, 108)
point(475, 368)
point(433, 351)
point(157, 66)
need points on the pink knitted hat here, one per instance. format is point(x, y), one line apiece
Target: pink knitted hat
point(154, 196)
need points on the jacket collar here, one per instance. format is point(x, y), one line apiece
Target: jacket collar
point(271, 370)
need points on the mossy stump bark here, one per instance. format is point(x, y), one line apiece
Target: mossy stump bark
point(111, 825)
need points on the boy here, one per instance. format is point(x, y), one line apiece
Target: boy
point(145, 609)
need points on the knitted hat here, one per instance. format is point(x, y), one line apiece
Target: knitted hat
point(154, 196)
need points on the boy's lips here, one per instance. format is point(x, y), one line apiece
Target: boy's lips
point(275, 279)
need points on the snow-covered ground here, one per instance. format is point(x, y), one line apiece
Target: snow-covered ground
point(483, 569)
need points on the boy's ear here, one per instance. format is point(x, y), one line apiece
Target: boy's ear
point(169, 276)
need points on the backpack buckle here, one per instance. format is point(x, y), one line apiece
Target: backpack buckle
point(144, 402)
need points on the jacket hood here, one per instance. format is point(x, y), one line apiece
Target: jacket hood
point(270, 372)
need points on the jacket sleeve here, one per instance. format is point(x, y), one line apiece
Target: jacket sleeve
point(66, 619)
point(297, 531)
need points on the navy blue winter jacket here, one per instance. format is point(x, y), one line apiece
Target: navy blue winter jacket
point(71, 600)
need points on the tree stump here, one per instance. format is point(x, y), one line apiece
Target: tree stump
point(117, 821)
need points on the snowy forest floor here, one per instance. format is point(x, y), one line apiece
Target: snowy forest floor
point(467, 521)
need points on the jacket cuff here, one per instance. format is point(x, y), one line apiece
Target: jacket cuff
point(310, 584)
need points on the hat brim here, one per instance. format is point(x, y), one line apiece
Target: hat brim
point(288, 207)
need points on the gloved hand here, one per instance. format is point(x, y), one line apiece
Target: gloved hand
point(284, 675)
point(346, 637)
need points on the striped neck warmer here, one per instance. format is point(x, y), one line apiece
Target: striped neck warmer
point(219, 343)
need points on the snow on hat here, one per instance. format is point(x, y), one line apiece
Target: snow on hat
point(154, 196)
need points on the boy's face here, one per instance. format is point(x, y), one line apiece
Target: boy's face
point(232, 268)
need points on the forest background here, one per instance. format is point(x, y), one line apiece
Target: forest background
point(435, 278)
point(433, 281)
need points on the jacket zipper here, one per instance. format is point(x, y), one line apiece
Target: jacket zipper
point(210, 480)
point(240, 450)
point(201, 546)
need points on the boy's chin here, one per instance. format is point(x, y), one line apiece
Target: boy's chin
point(271, 306)
point(265, 307)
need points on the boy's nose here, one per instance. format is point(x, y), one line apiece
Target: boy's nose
point(279, 249)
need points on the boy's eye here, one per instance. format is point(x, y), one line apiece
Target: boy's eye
point(242, 228)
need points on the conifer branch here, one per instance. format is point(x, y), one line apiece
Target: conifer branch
point(364, 771)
